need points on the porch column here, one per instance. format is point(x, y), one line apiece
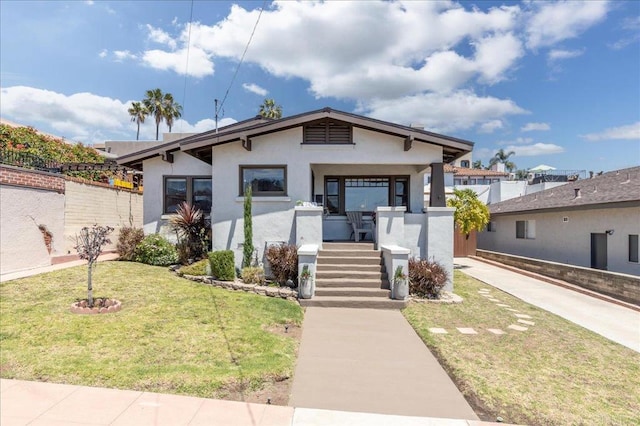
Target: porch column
point(390, 226)
point(437, 197)
point(439, 244)
point(309, 225)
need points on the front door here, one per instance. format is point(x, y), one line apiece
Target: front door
point(599, 251)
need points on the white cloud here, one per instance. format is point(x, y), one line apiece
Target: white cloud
point(103, 53)
point(535, 149)
point(495, 55)
point(254, 88)
point(559, 54)
point(89, 2)
point(632, 27)
point(628, 132)
point(122, 55)
point(198, 64)
point(517, 141)
point(551, 23)
point(529, 127)
point(442, 113)
point(159, 36)
point(490, 126)
point(84, 117)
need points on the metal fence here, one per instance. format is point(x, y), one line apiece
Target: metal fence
point(28, 161)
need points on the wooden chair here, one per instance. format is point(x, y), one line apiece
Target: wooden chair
point(359, 226)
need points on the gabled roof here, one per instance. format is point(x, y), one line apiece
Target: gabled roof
point(465, 171)
point(621, 186)
point(200, 145)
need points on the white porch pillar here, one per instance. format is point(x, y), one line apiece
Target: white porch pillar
point(309, 225)
point(439, 244)
point(390, 226)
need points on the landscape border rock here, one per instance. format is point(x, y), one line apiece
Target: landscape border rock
point(446, 298)
point(112, 305)
point(238, 285)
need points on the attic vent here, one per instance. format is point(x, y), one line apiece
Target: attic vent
point(328, 131)
point(565, 219)
point(577, 193)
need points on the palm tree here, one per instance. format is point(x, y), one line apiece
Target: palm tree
point(522, 174)
point(269, 109)
point(154, 102)
point(502, 157)
point(172, 110)
point(138, 113)
point(477, 164)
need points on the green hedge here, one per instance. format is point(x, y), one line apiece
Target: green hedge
point(223, 265)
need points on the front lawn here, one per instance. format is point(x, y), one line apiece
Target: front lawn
point(553, 373)
point(172, 335)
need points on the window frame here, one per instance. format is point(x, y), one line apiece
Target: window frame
point(189, 195)
point(241, 169)
point(341, 190)
point(631, 254)
point(528, 228)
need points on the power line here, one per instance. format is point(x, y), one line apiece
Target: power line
point(186, 67)
point(264, 4)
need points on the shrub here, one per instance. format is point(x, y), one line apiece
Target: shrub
point(128, 239)
point(192, 230)
point(426, 278)
point(223, 265)
point(154, 249)
point(283, 260)
point(253, 275)
point(199, 268)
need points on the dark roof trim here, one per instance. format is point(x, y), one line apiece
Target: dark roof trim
point(452, 147)
point(609, 205)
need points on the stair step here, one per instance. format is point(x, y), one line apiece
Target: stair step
point(375, 275)
point(353, 302)
point(348, 267)
point(352, 292)
point(351, 282)
point(340, 260)
point(349, 253)
point(347, 246)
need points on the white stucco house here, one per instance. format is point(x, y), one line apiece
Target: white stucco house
point(338, 160)
point(592, 223)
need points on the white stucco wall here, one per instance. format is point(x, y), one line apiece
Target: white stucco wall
point(154, 171)
point(273, 217)
point(21, 242)
point(568, 242)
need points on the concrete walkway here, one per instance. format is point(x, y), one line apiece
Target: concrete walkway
point(368, 360)
point(49, 404)
point(615, 322)
point(50, 268)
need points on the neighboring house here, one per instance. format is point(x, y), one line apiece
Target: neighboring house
point(342, 161)
point(458, 177)
point(592, 222)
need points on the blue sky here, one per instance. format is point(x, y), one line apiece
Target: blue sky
point(556, 82)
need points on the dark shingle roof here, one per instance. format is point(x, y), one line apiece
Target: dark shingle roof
point(611, 187)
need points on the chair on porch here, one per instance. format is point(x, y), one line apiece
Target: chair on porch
point(359, 225)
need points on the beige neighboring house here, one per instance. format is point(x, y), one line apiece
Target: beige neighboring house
point(593, 222)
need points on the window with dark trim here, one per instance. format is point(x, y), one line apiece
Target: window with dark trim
point(365, 193)
point(327, 131)
point(491, 227)
point(633, 248)
point(464, 163)
point(264, 180)
point(194, 189)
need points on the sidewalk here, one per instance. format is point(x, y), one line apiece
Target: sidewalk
point(369, 360)
point(35, 271)
point(49, 404)
point(615, 322)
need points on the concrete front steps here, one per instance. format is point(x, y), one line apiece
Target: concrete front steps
point(351, 275)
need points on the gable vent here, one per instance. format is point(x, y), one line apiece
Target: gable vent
point(328, 131)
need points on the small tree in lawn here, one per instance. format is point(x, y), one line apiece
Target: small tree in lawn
point(471, 213)
point(247, 251)
point(89, 244)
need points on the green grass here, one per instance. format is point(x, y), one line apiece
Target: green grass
point(172, 335)
point(554, 373)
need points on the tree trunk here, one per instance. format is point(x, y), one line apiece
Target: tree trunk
point(138, 133)
point(89, 286)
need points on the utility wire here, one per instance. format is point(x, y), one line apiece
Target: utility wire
point(186, 67)
point(264, 4)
